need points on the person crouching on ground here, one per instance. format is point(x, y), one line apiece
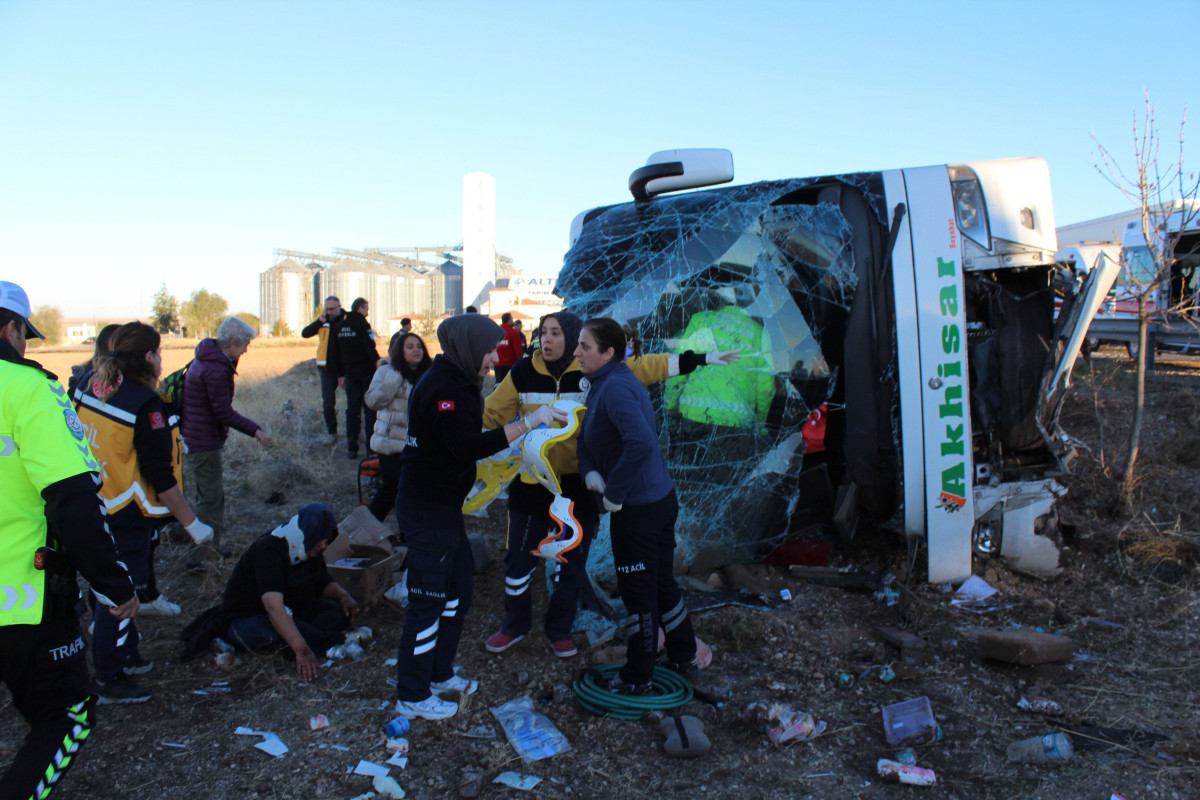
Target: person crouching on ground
point(281, 593)
point(437, 471)
point(139, 448)
point(620, 460)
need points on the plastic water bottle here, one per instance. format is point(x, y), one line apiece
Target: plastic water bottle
point(398, 727)
point(1053, 748)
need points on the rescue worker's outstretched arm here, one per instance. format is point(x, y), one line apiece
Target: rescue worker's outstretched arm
point(73, 510)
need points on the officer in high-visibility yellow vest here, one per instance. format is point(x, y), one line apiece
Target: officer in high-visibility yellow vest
point(51, 524)
point(320, 327)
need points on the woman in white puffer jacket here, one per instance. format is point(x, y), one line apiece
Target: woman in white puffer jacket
point(388, 395)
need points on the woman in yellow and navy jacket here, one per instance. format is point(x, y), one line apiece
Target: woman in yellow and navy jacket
point(553, 374)
point(133, 435)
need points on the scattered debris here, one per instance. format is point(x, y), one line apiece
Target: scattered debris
point(909, 774)
point(913, 649)
point(387, 786)
point(1040, 705)
point(1053, 748)
point(318, 722)
point(531, 733)
point(470, 783)
point(479, 732)
point(974, 595)
point(370, 769)
point(517, 781)
point(1024, 646)
point(910, 722)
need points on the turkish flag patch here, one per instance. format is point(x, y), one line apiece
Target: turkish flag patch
point(157, 422)
point(445, 405)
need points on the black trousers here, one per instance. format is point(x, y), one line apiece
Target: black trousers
point(45, 669)
point(643, 543)
point(441, 582)
point(356, 389)
point(328, 399)
point(389, 480)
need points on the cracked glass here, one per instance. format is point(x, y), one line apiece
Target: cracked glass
point(767, 268)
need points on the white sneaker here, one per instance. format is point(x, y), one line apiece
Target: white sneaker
point(432, 707)
point(161, 607)
point(454, 684)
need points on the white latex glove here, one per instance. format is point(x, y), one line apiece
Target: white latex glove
point(722, 359)
point(611, 506)
point(594, 482)
point(199, 532)
point(546, 415)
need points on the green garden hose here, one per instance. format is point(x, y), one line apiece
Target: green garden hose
point(671, 690)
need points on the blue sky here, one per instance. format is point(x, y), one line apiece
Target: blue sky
point(183, 142)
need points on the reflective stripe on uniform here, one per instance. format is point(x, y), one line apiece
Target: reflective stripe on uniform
point(134, 491)
point(7, 446)
point(13, 594)
point(105, 408)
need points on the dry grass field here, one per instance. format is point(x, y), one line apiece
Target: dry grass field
point(265, 359)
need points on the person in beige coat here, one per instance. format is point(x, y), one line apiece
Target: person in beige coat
point(388, 395)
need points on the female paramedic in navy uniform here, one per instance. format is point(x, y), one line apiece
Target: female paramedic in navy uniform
point(619, 457)
point(445, 439)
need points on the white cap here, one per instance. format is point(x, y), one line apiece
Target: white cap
point(13, 298)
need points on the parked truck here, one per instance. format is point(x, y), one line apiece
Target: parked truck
point(903, 364)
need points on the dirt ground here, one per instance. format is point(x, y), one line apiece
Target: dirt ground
point(1129, 598)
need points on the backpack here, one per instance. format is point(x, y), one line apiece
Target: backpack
point(171, 387)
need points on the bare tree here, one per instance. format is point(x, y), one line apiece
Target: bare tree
point(1165, 193)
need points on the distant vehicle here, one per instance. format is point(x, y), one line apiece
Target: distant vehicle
point(1117, 320)
point(916, 306)
point(90, 340)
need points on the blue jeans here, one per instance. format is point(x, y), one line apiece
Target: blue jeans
point(321, 623)
point(525, 532)
point(441, 582)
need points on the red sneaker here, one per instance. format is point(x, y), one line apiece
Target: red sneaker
point(564, 648)
point(500, 641)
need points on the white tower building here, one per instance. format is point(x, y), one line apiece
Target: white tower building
point(479, 236)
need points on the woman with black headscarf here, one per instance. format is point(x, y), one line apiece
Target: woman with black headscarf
point(437, 470)
point(553, 374)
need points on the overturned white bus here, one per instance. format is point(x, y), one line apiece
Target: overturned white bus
point(902, 362)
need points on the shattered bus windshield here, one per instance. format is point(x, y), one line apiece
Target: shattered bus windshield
point(770, 269)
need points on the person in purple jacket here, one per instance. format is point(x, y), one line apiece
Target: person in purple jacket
point(205, 419)
point(620, 460)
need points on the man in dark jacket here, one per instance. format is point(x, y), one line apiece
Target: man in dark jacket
point(321, 327)
point(353, 358)
point(205, 419)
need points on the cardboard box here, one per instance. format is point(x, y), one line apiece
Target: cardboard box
point(367, 581)
point(361, 527)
